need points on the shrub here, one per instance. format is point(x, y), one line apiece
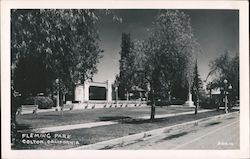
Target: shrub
point(41, 101)
point(177, 102)
point(167, 103)
point(75, 101)
point(209, 104)
point(162, 103)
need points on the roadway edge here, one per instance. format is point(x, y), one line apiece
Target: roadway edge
point(147, 134)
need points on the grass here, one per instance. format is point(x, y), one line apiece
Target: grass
point(126, 126)
point(48, 119)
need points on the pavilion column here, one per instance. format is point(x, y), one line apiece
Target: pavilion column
point(86, 91)
point(109, 91)
point(79, 93)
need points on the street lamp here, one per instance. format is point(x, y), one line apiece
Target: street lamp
point(226, 93)
point(169, 96)
point(210, 90)
point(57, 96)
point(116, 94)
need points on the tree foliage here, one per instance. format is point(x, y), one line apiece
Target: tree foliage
point(171, 46)
point(131, 66)
point(197, 82)
point(126, 65)
point(51, 44)
point(163, 61)
point(226, 67)
point(197, 86)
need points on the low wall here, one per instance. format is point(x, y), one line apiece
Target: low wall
point(112, 104)
point(95, 104)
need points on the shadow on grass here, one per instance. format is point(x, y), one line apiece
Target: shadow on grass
point(172, 119)
point(51, 117)
point(110, 118)
point(22, 126)
point(143, 121)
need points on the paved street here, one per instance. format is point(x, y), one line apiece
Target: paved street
point(217, 134)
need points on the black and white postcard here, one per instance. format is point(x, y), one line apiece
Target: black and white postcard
point(98, 77)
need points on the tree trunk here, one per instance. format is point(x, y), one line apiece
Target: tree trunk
point(197, 104)
point(195, 112)
point(64, 99)
point(15, 104)
point(152, 116)
point(13, 127)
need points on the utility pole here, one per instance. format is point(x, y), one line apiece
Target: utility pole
point(226, 93)
point(57, 95)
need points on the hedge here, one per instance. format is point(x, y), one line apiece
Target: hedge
point(41, 101)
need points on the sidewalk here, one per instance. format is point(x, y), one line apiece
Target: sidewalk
point(131, 139)
point(102, 123)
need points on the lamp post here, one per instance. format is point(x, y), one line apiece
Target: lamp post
point(57, 96)
point(226, 93)
point(116, 95)
point(210, 90)
point(169, 96)
point(148, 91)
point(230, 87)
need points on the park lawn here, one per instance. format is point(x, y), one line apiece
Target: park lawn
point(125, 127)
point(49, 119)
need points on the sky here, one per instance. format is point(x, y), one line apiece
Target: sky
point(215, 30)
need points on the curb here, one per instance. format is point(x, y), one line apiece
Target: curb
point(145, 135)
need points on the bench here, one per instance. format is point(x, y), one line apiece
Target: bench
point(105, 105)
point(67, 106)
point(32, 108)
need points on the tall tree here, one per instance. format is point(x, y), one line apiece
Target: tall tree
point(126, 66)
point(226, 67)
point(197, 86)
point(169, 53)
point(51, 44)
point(59, 44)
